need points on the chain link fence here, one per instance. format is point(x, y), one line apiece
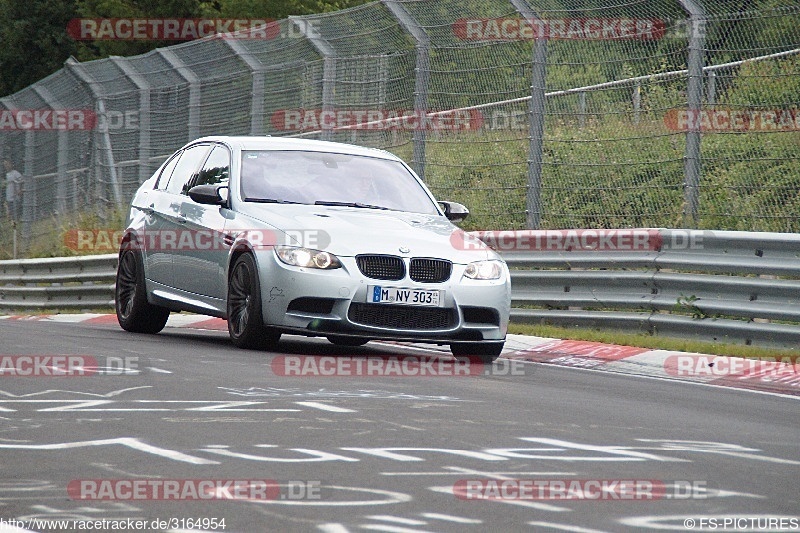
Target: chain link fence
point(533, 113)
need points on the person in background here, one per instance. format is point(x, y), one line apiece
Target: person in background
point(13, 190)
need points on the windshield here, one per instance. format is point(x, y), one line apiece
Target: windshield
point(290, 176)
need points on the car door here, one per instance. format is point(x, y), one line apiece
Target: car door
point(167, 241)
point(157, 261)
point(199, 268)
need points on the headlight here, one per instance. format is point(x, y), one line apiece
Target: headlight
point(306, 257)
point(491, 269)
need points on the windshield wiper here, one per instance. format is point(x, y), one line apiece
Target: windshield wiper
point(270, 201)
point(351, 204)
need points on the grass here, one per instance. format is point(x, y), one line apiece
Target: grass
point(643, 340)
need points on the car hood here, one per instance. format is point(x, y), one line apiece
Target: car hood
point(348, 231)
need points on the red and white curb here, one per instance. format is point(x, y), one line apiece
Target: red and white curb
point(779, 376)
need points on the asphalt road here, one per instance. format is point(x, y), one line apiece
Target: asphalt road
point(343, 453)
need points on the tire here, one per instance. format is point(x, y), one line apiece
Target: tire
point(347, 341)
point(134, 312)
point(245, 319)
point(487, 352)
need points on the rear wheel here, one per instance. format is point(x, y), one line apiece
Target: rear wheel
point(347, 341)
point(487, 352)
point(245, 319)
point(134, 312)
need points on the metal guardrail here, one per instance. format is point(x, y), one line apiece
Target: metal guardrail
point(728, 286)
point(85, 282)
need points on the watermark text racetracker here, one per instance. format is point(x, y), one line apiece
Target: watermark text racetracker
point(58, 365)
point(184, 29)
point(579, 489)
point(60, 120)
point(193, 489)
point(392, 366)
point(588, 240)
point(190, 240)
point(591, 29)
point(119, 524)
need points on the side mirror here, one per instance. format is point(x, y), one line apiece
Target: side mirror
point(454, 211)
point(209, 194)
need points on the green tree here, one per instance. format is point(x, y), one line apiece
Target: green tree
point(34, 41)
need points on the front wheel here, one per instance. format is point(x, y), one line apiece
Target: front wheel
point(487, 352)
point(245, 320)
point(134, 312)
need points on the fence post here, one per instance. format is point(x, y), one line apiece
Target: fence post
point(94, 88)
point(258, 74)
point(145, 151)
point(62, 151)
point(711, 90)
point(194, 90)
point(536, 112)
point(323, 48)
point(694, 98)
point(421, 79)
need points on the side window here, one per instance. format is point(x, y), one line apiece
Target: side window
point(216, 170)
point(186, 169)
point(163, 178)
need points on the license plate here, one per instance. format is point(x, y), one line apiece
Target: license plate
point(399, 295)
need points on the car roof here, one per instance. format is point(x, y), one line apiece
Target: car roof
point(286, 143)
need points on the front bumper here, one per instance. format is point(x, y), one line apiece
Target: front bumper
point(335, 302)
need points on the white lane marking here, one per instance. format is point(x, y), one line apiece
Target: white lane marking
point(316, 455)
point(135, 444)
point(159, 370)
point(520, 503)
point(389, 498)
point(565, 527)
point(332, 528)
point(628, 454)
point(493, 475)
point(721, 448)
point(73, 406)
point(93, 405)
point(326, 407)
point(389, 453)
point(49, 391)
point(389, 518)
point(451, 518)
point(392, 529)
point(228, 406)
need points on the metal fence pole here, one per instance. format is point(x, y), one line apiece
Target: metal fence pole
point(258, 74)
point(328, 54)
point(62, 152)
point(694, 98)
point(105, 139)
point(145, 151)
point(533, 196)
point(421, 79)
point(191, 78)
